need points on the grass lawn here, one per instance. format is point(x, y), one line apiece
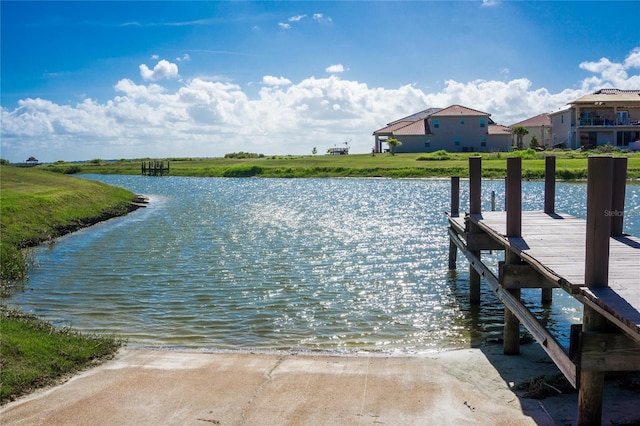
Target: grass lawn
point(35, 206)
point(570, 165)
point(36, 354)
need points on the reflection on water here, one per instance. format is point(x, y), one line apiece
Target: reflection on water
point(315, 264)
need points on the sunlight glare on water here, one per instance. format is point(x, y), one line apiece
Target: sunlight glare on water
point(292, 264)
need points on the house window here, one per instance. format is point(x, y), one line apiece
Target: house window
point(483, 122)
point(457, 141)
point(427, 143)
point(483, 141)
point(436, 123)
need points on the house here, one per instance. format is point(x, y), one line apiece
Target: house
point(608, 116)
point(455, 128)
point(563, 127)
point(538, 126)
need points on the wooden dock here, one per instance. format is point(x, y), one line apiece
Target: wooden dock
point(154, 168)
point(592, 260)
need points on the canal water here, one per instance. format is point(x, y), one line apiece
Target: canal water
point(340, 265)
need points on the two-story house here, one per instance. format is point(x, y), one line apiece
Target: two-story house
point(455, 129)
point(538, 126)
point(608, 116)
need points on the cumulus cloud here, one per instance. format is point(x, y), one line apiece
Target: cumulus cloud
point(163, 70)
point(184, 58)
point(297, 18)
point(337, 68)
point(612, 74)
point(284, 25)
point(275, 81)
point(206, 117)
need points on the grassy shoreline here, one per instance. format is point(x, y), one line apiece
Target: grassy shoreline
point(570, 165)
point(37, 206)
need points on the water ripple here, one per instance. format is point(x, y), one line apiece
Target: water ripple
point(315, 264)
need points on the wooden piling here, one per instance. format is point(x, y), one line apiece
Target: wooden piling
point(455, 196)
point(549, 207)
point(511, 332)
point(475, 185)
point(475, 207)
point(599, 184)
point(514, 197)
point(455, 212)
point(617, 199)
point(599, 198)
point(550, 184)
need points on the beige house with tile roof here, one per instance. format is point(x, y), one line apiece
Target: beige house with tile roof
point(538, 126)
point(606, 116)
point(454, 129)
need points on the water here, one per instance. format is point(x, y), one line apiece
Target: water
point(296, 264)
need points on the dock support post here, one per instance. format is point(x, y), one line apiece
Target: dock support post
point(591, 386)
point(511, 333)
point(617, 201)
point(475, 207)
point(455, 212)
point(599, 199)
point(550, 184)
point(549, 207)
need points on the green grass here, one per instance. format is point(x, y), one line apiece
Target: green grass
point(36, 354)
point(570, 165)
point(37, 205)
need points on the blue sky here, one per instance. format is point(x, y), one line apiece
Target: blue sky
point(84, 80)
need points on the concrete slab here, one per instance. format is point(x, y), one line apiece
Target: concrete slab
point(169, 387)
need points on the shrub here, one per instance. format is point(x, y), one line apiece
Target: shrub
point(242, 154)
point(242, 171)
point(439, 155)
point(526, 154)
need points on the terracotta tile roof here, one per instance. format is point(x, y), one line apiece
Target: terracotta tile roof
point(457, 110)
point(390, 128)
point(417, 128)
point(537, 121)
point(498, 129)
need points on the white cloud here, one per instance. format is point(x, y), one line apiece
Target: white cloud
point(337, 68)
point(612, 74)
point(321, 18)
point(489, 3)
point(275, 81)
point(297, 18)
point(207, 117)
point(184, 58)
point(284, 26)
point(163, 70)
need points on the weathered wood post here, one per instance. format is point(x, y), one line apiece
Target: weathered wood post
point(511, 333)
point(549, 207)
point(550, 184)
point(475, 207)
point(599, 196)
point(618, 193)
point(455, 212)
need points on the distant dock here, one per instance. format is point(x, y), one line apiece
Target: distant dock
point(155, 168)
point(592, 260)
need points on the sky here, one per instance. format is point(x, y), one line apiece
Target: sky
point(124, 80)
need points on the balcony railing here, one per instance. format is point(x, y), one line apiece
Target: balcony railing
point(605, 122)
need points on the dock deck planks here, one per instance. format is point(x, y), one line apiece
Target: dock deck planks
point(555, 243)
